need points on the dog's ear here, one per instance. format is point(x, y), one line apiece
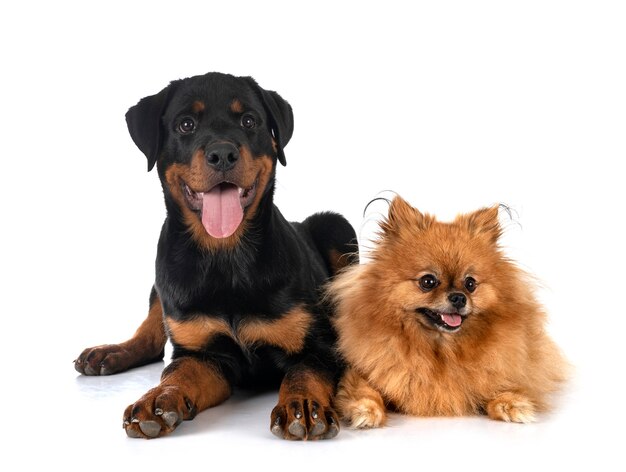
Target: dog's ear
point(485, 222)
point(402, 214)
point(145, 126)
point(280, 117)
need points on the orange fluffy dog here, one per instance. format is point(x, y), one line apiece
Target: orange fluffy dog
point(441, 323)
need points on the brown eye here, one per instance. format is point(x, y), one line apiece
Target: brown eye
point(187, 125)
point(248, 121)
point(428, 282)
point(470, 284)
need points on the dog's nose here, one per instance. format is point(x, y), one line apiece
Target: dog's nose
point(222, 156)
point(458, 300)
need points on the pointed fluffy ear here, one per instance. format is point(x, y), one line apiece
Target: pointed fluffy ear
point(485, 222)
point(144, 124)
point(280, 117)
point(401, 213)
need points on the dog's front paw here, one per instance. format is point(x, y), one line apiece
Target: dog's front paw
point(299, 417)
point(104, 360)
point(157, 413)
point(511, 407)
point(358, 403)
point(364, 413)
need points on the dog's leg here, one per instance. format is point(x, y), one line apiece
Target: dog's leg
point(304, 409)
point(511, 407)
point(188, 386)
point(146, 346)
point(358, 403)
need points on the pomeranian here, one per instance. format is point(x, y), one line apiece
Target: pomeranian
point(441, 323)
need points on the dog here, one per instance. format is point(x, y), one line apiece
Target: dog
point(441, 323)
point(237, 287)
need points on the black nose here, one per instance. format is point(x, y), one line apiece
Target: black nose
point(222, 156)
point(458, 300)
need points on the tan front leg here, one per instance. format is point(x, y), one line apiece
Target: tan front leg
point(146, 346)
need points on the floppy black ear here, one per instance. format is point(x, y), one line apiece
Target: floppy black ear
point(280, 116)
point(144, 124)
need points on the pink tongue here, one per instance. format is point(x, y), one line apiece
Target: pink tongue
point(451, 319)
point(221, 210)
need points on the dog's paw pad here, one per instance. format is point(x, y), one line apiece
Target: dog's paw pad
point(172, 419)
point(333, 426)
point(150, 428)
point(277, 428)
point(131, 432)
point(297, 428)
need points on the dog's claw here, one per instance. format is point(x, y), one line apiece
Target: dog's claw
point(314, 407)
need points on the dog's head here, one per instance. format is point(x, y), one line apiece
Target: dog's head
point(215, 140)
point(443, 273)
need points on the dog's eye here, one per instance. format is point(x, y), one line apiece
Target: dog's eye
point(470, 284)
point(428, 282)
point(187, 125)
point(248, 121)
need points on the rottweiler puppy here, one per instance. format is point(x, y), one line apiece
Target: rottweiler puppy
point(237, 288)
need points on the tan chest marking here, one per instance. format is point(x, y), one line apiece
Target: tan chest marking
point(288, 332)
point(195, 334)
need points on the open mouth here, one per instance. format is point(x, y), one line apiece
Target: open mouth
point(221, 208)
point(448, 322)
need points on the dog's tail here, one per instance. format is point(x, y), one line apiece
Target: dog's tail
point(334, 238)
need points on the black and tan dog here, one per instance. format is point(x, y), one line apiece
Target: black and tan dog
point(237, 287)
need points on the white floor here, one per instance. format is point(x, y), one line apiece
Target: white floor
point(78, 426)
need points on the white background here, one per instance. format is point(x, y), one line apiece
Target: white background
point(454, 105)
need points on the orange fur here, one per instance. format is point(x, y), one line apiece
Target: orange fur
point(360, 404)
point(500, 361)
